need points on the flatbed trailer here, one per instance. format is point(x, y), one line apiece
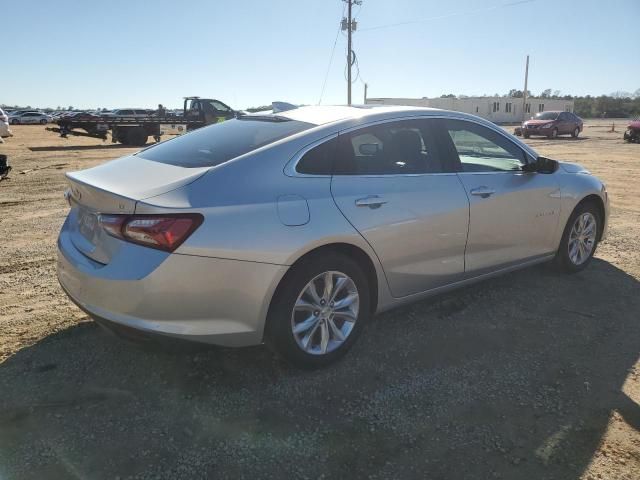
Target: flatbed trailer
point(198, 112)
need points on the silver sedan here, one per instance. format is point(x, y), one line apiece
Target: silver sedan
point(295, 228)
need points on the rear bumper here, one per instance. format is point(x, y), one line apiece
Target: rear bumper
point(210, 300)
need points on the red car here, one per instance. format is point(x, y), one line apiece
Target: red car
point(551, 124)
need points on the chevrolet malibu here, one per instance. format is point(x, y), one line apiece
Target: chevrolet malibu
point(295, 228)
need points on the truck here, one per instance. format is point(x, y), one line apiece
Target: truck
point(135, 131)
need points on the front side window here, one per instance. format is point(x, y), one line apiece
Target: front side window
point(221, 142)
point(480, 149)
point(220, 106)
point(394, 148)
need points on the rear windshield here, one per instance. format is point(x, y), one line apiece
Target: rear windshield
point(219, 143)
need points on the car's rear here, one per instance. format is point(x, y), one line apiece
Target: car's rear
point(132, 269)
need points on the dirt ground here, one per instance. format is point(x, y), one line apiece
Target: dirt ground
point(533, 375)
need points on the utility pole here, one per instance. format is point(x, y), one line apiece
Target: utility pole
point(524, 94)
point(350, 26)
point(366, 86)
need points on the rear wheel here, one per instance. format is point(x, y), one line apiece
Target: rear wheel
point(575, 132)
point(580, 238)
point(138, 136)
point(319, 310)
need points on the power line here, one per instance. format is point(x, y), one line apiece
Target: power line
point(326, 75)
point(448, 15)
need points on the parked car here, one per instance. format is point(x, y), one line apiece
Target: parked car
point(80, 116)
point(551, 124)
point(294, 228)
point(27, 118)
point(5, 131)
point(129, 112)
point(632, 133)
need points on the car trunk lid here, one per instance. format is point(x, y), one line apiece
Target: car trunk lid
point(115, 188)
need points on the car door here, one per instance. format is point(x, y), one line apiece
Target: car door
point(26, 118)
point(394, 185)
point(513, 214)
point(565, 123)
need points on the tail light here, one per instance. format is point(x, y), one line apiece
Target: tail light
point(163, 232)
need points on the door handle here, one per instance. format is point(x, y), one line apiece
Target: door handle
point(371, 201)
point(483, 192)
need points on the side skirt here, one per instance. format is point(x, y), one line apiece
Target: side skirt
point(397, 302)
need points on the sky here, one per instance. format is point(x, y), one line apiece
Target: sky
point(134, 53)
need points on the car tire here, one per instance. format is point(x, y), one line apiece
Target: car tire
point(575, 132)
point(294, 308)
point(138, 137)
point(15, 121)
point(43, 122)
point(525, 135)
point(554, 133)
point(570, 257)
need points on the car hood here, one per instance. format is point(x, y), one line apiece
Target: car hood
point(538, 122)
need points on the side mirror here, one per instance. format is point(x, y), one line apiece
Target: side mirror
point(542, 165)
point(369, 149)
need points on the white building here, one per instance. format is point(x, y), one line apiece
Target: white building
point(495, 109)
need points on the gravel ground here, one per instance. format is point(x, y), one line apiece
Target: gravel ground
point(533, 375)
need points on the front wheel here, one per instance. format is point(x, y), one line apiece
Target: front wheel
point(580, 239)
point(554, 133)
point(14, 121)
point(43, 122)
point(319, 310)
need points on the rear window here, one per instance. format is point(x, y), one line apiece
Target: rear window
point(219, 143)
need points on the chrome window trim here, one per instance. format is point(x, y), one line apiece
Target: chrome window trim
point(290, 168)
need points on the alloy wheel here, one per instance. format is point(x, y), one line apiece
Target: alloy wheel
point(582, 238)
point(325, 313)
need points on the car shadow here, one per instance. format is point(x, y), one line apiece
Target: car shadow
point(517, 377)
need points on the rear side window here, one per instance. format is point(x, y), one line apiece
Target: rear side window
point(219, 143)
point(318, 160)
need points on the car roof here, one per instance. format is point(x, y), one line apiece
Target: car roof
point(323, 114)
point(332, 119)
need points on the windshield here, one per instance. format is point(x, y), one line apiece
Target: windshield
point(219, 143)
point(547, 116)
